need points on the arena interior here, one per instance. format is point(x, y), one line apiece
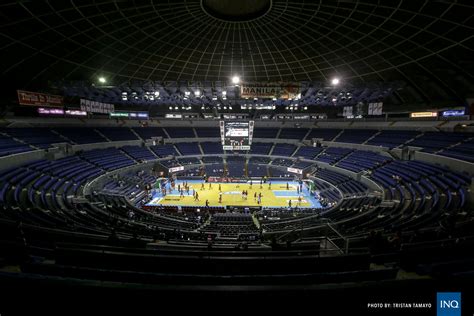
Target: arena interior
point(252, 151)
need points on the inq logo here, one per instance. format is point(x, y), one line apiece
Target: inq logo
point(448, 304)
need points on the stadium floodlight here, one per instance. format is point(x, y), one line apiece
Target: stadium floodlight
point(235, 79)
point(335, 81)
point(102, 80)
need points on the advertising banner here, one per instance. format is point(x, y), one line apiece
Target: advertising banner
point(423, 114)
point(270, 90)
point(96, 107)
point(38, 99)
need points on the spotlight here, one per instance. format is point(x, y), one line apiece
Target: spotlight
point(335, 81)
point(235, 79)
point(197, 93)
point(102, 80)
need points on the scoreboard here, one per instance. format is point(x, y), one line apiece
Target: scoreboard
point(236, 135)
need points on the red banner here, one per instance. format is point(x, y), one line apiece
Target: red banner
point(39, 99)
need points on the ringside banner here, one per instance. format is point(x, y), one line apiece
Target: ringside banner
point(39, 99)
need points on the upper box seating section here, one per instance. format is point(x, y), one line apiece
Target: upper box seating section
point(149, 132)
point(434, 141)
point(308, 152)
point(164, 150)
point(293, 133)
point(212, 148)
point(265, 132)
point(9, 146)
point(326, 133)
point(108, 159)
point(462, 151)
point(139, 153)
point(333, 154)
point(181, 132)
point(37, 136)
point(392, 138)
point(362, 160)
point(208, 132)
point(357, 136)
point(283, 149)
point(261, 148)
point(117, 133)
point(80, 135)
point(188, 149)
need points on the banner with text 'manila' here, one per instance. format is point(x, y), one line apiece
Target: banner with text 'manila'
point(270, 90)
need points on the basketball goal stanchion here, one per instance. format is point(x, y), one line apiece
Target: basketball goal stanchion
point(311, 187)
point(160, 182)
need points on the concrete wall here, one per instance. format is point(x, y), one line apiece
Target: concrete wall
point(377, 149)
point(450, 163)
point(20, 159)
point(76, 148)
point(398, 123)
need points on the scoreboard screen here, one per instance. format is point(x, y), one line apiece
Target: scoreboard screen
point(236, 135)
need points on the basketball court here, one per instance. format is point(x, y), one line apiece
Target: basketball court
point(274, 194)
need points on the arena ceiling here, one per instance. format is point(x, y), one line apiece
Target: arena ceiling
point(426, 43)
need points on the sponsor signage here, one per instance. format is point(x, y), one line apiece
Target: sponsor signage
point(96, 107)
point(269, 91)
point(454, 113)
point(173, 116)
point(50, 111)
point(119, 114)
point(294, 170)
point(423, 114)
point(76, 113)
point(130, 115)
point(39, 99)
point(176, 169)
